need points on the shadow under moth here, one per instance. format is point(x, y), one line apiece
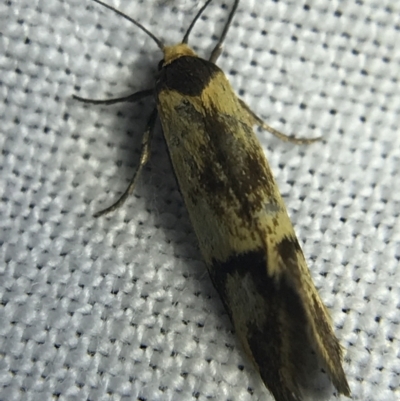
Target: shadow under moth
point(244, 232)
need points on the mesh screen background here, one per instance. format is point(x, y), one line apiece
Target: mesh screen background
point(121, 307)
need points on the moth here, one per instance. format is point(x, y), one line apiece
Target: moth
point(239, 217)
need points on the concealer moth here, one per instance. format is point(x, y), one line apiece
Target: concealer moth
point(243, 229)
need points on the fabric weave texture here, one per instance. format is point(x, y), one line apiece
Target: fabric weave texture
point(121, 307)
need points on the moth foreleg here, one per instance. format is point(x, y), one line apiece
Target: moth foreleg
point(144, 158)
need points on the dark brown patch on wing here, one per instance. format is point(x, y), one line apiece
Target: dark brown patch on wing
point(279, 341)
point(230, 172)
point(187, 75)
point(288, 248)
point(253, 263)
point(234, 171)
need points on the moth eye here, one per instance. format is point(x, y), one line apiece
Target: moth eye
point(160, 64)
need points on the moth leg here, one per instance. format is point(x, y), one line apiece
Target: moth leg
point(218, 47)
point(144, 158)
point(134, 97)
point(258, 121)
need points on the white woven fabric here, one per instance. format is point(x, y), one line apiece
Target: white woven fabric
point(121, 307)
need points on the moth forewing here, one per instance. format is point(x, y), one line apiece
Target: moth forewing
point(240, 220)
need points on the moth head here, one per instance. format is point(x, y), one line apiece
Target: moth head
point(174, 52)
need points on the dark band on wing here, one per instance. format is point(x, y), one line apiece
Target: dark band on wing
point(187, 75)
point(278, 344)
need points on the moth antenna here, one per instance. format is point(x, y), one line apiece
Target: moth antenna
point(186, 37)
point(227, 25)
point(159, 43)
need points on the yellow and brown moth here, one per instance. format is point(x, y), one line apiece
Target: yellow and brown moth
point(244, 232)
